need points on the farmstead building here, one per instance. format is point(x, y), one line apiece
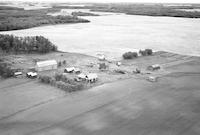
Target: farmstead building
point(46, 65)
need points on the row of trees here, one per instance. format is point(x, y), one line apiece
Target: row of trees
point(39, 44)
point(131, 55)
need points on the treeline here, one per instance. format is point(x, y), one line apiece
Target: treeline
point(15, 19)
point(131, 55)
point(36, 44)
point(149, 10)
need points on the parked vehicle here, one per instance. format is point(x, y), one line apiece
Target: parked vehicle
point(31, 75)
point(137, 71)
point(152, 79)
point(69, 70)
point(17, 74)
point(154, 67)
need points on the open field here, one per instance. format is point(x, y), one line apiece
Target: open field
point(135, 105)
point(168, 106)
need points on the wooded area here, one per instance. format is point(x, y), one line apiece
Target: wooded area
point(17, 18)
point(34, 44)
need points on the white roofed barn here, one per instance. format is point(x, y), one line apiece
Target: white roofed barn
point(46, 65)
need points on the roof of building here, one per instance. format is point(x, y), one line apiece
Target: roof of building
point(46, 63)
point(70, 69)
point(82, 76)
point(155, 65)
point(92, 76)
point(32, 73)
point(18, 73)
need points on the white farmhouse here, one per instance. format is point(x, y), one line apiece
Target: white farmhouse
point(46, 65)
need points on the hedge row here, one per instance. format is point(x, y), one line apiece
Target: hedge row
point(62, 82)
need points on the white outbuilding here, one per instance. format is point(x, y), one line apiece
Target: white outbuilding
point(92, 77)
point(31, 75)
point(101, 57)
point(69, 70)
point(46, 65)
point(82, 76)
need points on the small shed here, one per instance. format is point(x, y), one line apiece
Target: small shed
point(101, 57)
point(136, 71)
point(118, 63)
point(69, 70)
point(46, 65)
point(16, 74)
point(81, 76)
point(154, 67)
point(31, 75)
point(77, 70)
point(92, 77)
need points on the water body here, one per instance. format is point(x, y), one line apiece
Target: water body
point(114, 34)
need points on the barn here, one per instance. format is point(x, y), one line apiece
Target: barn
point(46, 65)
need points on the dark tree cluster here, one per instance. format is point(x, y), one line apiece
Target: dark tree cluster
point(34, 44)
point(5, 70)
point(130, 55)
point(146, 52)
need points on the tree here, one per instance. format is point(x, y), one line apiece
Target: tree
point(130, 55)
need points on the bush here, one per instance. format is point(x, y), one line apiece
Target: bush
point(69, 87)
point(62, 82)
point(130, 55)
point(58, 77)
point(64, 62)
point(45, 79)
point(149, 51)
point(59, 64)
point(5, 70)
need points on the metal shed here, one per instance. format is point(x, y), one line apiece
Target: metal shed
point(46, 65)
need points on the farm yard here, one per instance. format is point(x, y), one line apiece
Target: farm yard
point(106, 70)
point(120, 69)
point(38, 108)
